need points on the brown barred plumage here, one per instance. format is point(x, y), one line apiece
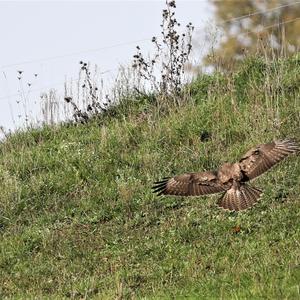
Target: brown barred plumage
point(230, 178)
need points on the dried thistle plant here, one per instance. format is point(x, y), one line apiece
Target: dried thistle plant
point(93, 101)
point(164, 71)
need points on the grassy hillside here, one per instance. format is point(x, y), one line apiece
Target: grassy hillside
point(78, 219)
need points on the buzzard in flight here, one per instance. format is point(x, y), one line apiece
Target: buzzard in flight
point(230, 178)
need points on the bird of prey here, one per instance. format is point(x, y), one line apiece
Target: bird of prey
point(230, 178)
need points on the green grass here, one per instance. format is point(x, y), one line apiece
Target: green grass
point(78, 219)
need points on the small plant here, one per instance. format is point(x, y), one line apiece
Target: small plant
point(93, 103)
point(50, 107)
point(162, 74)
point(165, 70)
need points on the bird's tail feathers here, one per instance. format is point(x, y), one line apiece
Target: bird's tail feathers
point(241, 198)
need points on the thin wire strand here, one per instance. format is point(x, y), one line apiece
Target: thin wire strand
point(110, 70)
point(258, 12)
point(281, 23)
point(61, 83)
point(72, 54)
point(139, 41)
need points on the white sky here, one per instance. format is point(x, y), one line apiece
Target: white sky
point(33, 31)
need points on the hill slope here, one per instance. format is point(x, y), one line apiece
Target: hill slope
point(78, 219)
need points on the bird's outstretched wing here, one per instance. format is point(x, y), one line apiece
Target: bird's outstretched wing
point(263, 157)
point(189, 184)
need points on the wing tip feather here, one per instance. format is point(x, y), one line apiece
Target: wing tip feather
point(159, 187)
point(289, 144)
